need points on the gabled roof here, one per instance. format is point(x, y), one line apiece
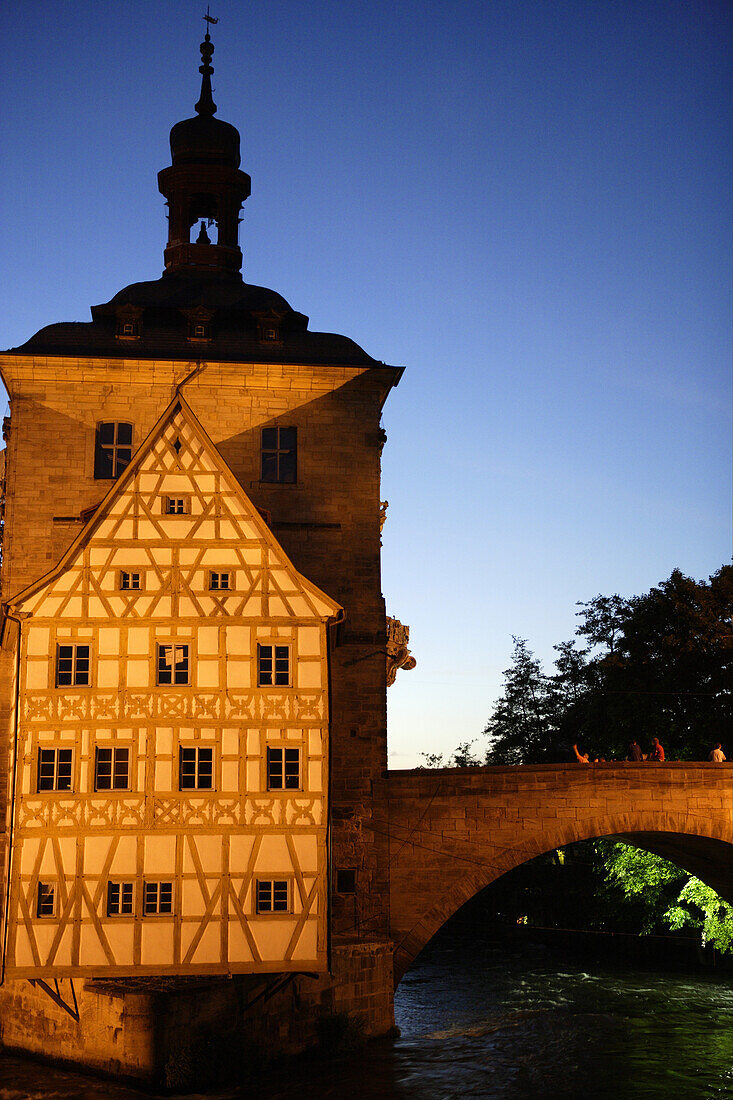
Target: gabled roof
point(162, 456)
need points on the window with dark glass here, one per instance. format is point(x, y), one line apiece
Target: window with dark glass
point(273, 665)
point(158, 898)
point(46, 900)
point(119, 899)
point(54, 769)
point(346, 880)
point(113, 449)
point(279, 454)
point(112, 768)
point(220, 582)
point(72, 665)
point(172, 664)
point(176, 506)
point(130, 582)
point(195, 768)
point(273, 896)
point(283, 769)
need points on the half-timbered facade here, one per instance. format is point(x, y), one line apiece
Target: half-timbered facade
point(171, 735)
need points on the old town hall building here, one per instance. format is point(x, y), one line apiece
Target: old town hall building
point(194, 638)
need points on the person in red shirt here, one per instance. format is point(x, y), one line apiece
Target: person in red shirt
point(657, 752)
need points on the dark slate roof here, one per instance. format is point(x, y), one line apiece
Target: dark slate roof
point(164, 309)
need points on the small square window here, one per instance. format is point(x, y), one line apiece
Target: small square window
point(273, 665)
point(279, 455)
point(119, 899)
point(195, 768)
point(46, 900)
point(273, 896)
point(173, 667)
point(130, 582)
point(54, 769)
point(128, 329)
point(220, 582)
point(72, 665)
point(283, 769)
point(158, 898)
point(199, 331)
point(112, 768)
point(176, 506)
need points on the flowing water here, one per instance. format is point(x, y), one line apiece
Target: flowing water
point(496, 1021)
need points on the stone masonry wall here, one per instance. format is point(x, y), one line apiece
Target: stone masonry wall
point(179, 1033)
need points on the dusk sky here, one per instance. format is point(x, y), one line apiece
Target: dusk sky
point(524, 202)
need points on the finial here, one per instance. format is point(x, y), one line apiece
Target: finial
point(206, 105)
point(203, 237)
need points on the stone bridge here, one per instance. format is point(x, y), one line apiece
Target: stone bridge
point(453, 831)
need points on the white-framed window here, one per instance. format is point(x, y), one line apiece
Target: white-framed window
point(173, 665)
point(157, 898)
point(273, 665)
point(130, 582)
point(112, 449)
point(46, 900)
point(273, 895)
point(55, 769)
point(220, 581)
point(120, 899)
point(112, 768)
point(73, 665)
point(177, 506)
point(195, 768)
point(283, 768)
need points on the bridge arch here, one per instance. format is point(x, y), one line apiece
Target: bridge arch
point(452, 832)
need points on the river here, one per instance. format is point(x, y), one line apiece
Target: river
point(495, 1021)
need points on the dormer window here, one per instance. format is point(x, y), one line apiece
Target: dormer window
point(199, 324)
point(128, 323)
point(270, 334)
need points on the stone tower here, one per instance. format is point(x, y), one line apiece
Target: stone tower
point(292, 418)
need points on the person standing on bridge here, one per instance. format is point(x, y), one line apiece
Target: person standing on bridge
point(657, 752)
point(635, 753)
point(581, 757)
point(716, 754)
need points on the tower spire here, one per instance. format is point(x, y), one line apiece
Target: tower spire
point(206, 105)
point(204, 185)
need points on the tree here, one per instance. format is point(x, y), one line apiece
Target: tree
point(662, 667)
point(715, 917)
point(655, 665)
point(521, 724)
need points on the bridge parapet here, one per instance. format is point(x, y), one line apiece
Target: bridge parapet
point(452, 831)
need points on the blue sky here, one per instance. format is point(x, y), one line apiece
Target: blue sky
point(527, 204)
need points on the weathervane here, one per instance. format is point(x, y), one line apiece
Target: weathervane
point(209, 18)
